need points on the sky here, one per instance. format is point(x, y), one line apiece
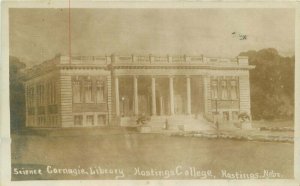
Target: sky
point(36, 35)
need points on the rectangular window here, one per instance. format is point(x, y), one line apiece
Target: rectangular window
point(224, 89)
point(43, 121)
point(214, 89)
point(235, 115)
point(225, 116)
point(50, 120)
point(233, 89)
point(30, 97)
point(90, 120)
point(51, 92)
point(101, 120)
point(78, 120)
point(100, 92)
point(48, 93)
point(88, 92)
point(76, 92)
point(56, 121)
point(42, 95)
point(31, 111)
point(54, 92)
point(52, 109)
point(38, 95)
point(41, 110)
point(27, 96)
point(39, 121)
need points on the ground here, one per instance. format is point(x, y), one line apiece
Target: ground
point(127, 150)
point(274, 123)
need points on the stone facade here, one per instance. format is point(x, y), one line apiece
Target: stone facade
point(84, 91)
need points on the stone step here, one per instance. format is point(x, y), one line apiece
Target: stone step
point(156, 128)
point(158, 119)
point(127, 118)
point(150, 129)
point(183, 122)
point(174, 123)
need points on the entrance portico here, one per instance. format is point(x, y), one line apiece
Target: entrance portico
point(179, 87)
point(136, 95)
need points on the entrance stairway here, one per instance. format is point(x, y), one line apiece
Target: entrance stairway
point(189, 123)
point(159, 124)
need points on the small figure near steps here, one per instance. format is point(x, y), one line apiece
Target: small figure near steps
point(244, 120)
point(142, 119)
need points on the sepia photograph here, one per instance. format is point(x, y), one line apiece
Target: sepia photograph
point(151, 93)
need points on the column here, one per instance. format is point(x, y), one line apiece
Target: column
point(230, 115)
point(135, 95)
point(117, 96)
point(171, 95)
point(35, 104)
point(188, 95)
point(207, 95)
point(153, 108)
point(161, 105)
point(109, 99)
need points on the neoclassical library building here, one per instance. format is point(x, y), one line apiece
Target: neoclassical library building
point(87, 91)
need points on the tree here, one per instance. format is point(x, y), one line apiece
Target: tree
point(17, 94)
point(271, 84)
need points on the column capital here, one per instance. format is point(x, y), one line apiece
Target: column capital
point(207, 75)
point(133, 57)
point(169, 58)
point(171, 76)
point(151, 58)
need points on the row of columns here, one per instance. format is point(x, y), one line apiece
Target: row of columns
point(153, 92)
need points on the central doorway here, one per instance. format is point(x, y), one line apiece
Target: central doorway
point(144, 95)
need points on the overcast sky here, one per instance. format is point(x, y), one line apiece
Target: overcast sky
point(39, 34)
